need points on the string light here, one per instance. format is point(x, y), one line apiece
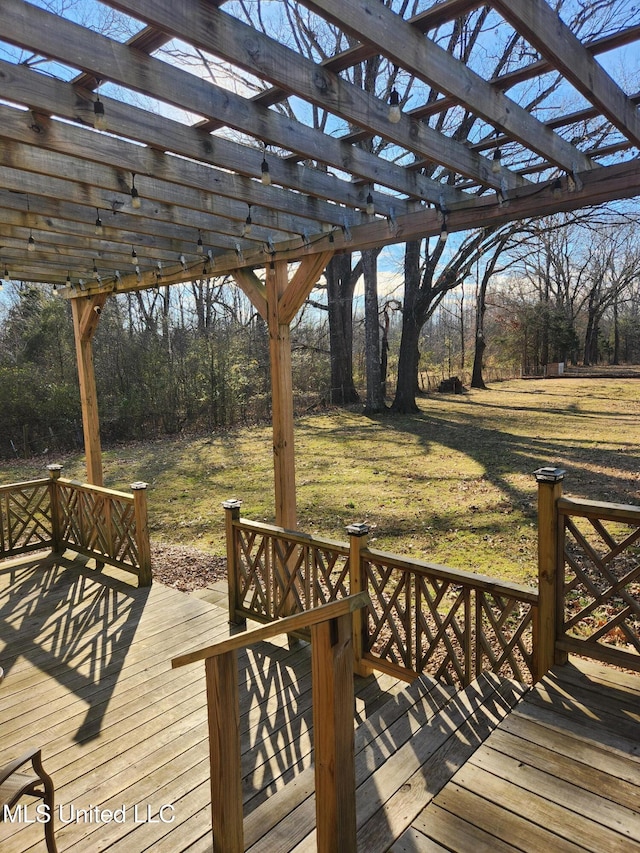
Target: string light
point(183, 262)
point(69, 279)
point(55, 289)
point(199, 244)
point(31, 243)
point(265, 177)
point(6, 273)
point(248, 224)
point(557, 188)
point(134, 256)
point(394, 106)
point(135, 195)
point(370, 208)
point(96, 274)
point(443, 231)
point(99, 230)
point(99, 117)
point(496, 165)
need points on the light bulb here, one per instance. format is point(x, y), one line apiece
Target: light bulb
point(371, 208)
point(496, 165)
point(135, 195)
point(31, 244)
point(99, 117)
point(266, 174)
point(394, 106)
point(248, 224)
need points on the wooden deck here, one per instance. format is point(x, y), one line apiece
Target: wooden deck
point(87, 658)
point(560, 773)
point(88, 678)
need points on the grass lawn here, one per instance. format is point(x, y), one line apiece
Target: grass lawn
point(452, 484)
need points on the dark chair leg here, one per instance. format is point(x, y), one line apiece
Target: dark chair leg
point(49, 799)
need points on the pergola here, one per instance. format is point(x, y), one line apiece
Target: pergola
point(106, 193)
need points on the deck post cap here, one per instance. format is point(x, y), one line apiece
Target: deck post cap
point(549, 474)
point(232, 503)
point(357, 529)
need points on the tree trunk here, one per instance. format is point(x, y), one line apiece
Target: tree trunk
point(616, 334)
point(477, 379)
point(340, 305)
point(409, 355)
point(375, 400)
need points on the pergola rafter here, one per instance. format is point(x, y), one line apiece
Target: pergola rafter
point(196, 181)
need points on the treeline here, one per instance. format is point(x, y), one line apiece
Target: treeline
point(192, 357)
point(195, 357)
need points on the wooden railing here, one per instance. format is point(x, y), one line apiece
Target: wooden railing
point(599, 581)
point(422, 617)
point(26, 522)
point(57, 513)
point(333, 703)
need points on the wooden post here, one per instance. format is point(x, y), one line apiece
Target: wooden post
point(358, 537)
point(224, 752)
point(333, 712)
point(142, 532)
point(231, 514)
point(86, 314)
point(56, 521)
point(277, 302)
point(550, 573)
point(281, 399)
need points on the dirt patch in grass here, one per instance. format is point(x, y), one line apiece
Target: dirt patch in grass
point(186, 568)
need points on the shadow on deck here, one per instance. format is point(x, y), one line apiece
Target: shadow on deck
point(87, 663)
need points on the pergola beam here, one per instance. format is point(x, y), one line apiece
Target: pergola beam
point(68, 42)
point(213, 30)
point(597, 187)
point(405, 45)
point(545, 30)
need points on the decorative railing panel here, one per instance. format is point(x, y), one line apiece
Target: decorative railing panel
point(98, 522)
point(600, 606)
point(428, 618)
point(505, 629)
point(280, 572)
point(423, 618)
point(25, 517)
point(56, 514)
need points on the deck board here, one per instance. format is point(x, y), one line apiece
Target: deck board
point(561, 772)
